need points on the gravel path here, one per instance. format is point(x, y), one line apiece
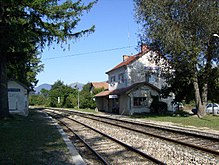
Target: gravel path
point(167, 152)
point(114, 153)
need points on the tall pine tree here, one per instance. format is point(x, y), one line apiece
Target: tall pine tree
point(29, 24)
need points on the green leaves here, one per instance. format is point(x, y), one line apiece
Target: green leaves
point(56, 21)
point(27, 25)
point(182, 31)
point(60, 95)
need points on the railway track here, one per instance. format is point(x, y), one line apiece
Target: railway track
point(108, 150)
point(197, 141)
point(203, 143)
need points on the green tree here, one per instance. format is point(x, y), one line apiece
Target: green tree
point(38, 99)
point(44, 92)
point(60, 95)
point(186, 35)
point(27, 25)
point(25, 70)
point(73, 99)
point(86, 98)
point(41, 98)
point(214, 85)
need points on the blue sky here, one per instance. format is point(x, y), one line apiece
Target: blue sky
point(91, 56)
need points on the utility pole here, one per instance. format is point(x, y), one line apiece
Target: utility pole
point(78, 99)
point(77, 88)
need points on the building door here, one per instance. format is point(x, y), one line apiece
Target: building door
point(13, 101)
point(115, 105)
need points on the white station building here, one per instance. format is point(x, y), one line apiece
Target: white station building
point(18, 98)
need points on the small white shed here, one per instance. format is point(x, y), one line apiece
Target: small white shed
point(18, 98)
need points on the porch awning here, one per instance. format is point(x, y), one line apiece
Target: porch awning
point(102, 94)
point(112, 93)
point(125, 90)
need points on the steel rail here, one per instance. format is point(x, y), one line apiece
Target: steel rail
point(182, 131)
point(81, 139)
point(159, 136)
point(119, 142)
point(159, 127)
point(155, 135)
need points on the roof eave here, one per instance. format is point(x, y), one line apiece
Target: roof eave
point(125, 66)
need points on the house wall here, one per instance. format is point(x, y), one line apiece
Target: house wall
point(17, 98)
point(144, 91)
point(99, 103)
point(124, 105)
point(169, 101)
point(102, 104)
point(136, 71)
point(117, 84)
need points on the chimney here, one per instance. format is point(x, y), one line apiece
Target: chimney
point(125, 57)
point(144, 48)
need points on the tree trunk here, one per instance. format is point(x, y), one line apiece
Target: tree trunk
point(4, 110)
point(200, 104)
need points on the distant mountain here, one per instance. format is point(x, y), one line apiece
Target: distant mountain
point(77, 84)
point(48, 86)
point(42, 86)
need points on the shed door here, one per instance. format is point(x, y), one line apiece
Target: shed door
point(12, 100)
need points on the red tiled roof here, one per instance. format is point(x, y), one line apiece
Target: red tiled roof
point(126, 62)
point(100, 85)
point(130, 59)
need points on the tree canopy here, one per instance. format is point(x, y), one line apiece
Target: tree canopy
point(185, 33)
point(25, 70)
point(61, 95)
point(29, 25)
point(40, 22)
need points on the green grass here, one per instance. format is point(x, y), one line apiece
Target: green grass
point(31, 140)
point(209, 121)
point(85, 110)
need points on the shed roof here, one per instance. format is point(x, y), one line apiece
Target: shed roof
point(20, 83)
point(100, 85)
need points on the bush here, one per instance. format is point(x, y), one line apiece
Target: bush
point(158, 107)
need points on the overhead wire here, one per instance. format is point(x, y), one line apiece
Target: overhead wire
point(85, 53)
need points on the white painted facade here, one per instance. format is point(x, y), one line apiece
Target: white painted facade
point(136, 72)
point(115, 81)
point(18, 98)
point(143, 69)
point(142, 91)
point(134, 84)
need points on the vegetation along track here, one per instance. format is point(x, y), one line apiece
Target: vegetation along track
point(162, 151)
point(106, 148)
